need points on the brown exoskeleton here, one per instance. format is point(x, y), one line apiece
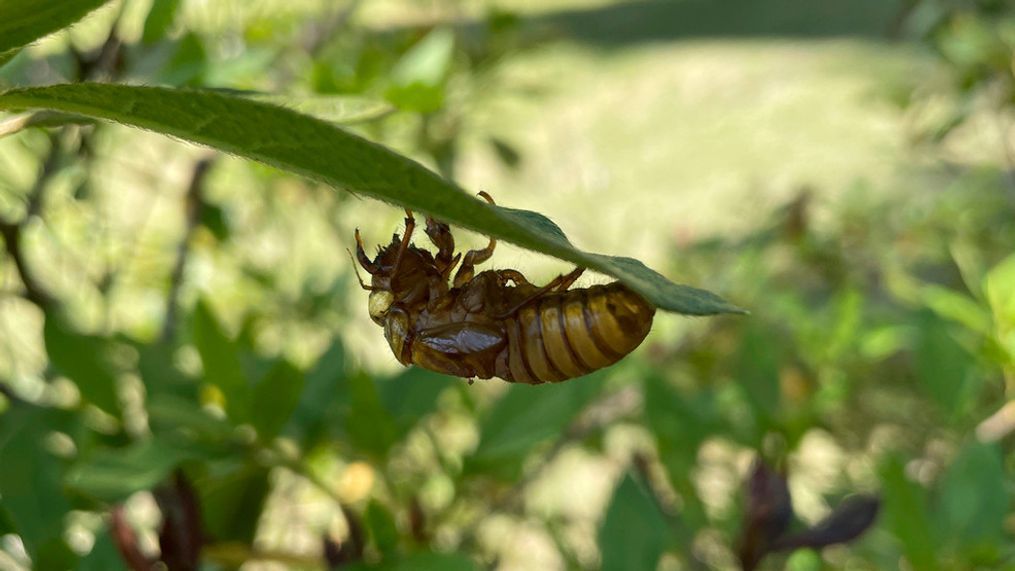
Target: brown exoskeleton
point(496, 323)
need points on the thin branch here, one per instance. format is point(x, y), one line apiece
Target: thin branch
point(12, 232)
point(193, 204)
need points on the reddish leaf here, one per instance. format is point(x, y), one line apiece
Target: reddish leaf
point(181, 536)
point(847, 522)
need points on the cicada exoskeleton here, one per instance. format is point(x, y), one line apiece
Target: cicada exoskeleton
point(495, 323)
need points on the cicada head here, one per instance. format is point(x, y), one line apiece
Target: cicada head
point(399, 275)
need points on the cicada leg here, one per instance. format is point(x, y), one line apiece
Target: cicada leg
point(564, 282)
point(474, 257)
point(514, 276)
point(557, 284)
point(410, 225)
point(440, 235)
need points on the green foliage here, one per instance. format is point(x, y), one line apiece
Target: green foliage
point(633, 534)
point(86, 360)
point(221, 359)
point(24, 21)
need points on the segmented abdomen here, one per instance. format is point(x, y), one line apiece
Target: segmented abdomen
point(570, 334)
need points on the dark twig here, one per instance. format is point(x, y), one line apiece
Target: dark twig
point(193, 204)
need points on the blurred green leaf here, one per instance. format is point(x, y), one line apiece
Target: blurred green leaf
point(420, 561)
point(957, 307)
point(758, 374)
point(944, 367)
point(31, 482)
point(342, 110)
point(222, 367)
point(275, 399)
point(54, 554)
point(319, 150)
point(160, 373)
point(232, 496)
point(525, 416)
point(417, 80)
point(907, 517)
point(804, 560)
point(974, 497)
point(370, 427)
point(1000, 289)
point(214, 219)
point(324, 396)
point(159, 20)
point(633, 533)
point(188, 64)
point(85, 360)
point(171, 413)
point(25, 21)
point(381, 524)
point(104, 555)
point(113, 474)
point(680, 424)
point(412, 394)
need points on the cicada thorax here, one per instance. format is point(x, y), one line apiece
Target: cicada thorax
point(568, 334)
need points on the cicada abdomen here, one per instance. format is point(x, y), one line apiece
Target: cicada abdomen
point(572, 333)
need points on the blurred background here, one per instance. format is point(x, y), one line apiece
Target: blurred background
point(843, 169)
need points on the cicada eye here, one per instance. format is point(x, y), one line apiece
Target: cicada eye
point(379, 303)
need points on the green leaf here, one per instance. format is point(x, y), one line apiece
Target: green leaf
point(1000, 289)
point(633, 534)
point(232, 498)
point(957, 307)
point(905, 514)
point(323, 397)
point(221, 360)
point(188, 64)
point(104, 555)
point(31, 485)
point(324, 152)
point(758, 374)
point(412, 394)
point(339, 109)
point(944, 367)
point(680, 424)
point(171, 413)
point(370, 427)
point(114, 474)
point(420, 561)
point(382, 527)
point(160, 373)
point(25, 21)
point(275, 398)
point(526, 416)
point(84, 359)
point(974, 497)
point(160, 18)
point(417, 80)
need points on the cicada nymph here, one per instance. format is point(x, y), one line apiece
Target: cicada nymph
point(495, 323)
